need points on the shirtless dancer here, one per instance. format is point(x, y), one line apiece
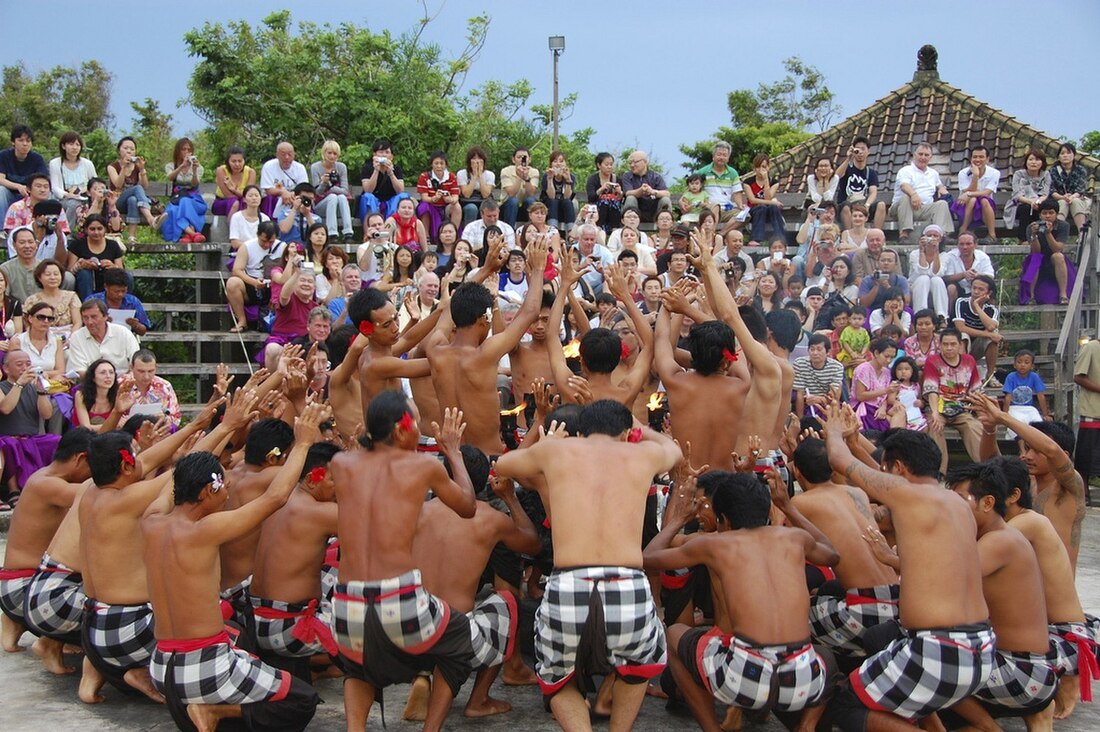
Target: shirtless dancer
point(195, 665)
point(868, 589)
point(117, 633)
point(598, 588)
point(346, 347)
point(1024, 681)
point(761, 658)
point(531, 360)
point(46, 498)
point(289, 610)
point(946, 650)
point(464, 369)
point(387, 626)
point(454, 575)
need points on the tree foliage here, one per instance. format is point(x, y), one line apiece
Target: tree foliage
point(58, 99)
point(1090, 143)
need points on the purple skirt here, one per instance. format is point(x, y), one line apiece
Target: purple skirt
point(959, 209)
point(436, 213)
point(221, 206)
point(1038, 284)
point(24, 455)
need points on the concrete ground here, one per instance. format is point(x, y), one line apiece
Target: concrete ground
point(32, 699)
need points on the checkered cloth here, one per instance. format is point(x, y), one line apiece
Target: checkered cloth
point(1020, 680)
point(1075, 650)
point(624, 632)
point(293, 629)
point(786, 678)
point(13, 586)
point(212, 671)
point(234, 602)
point(118, 637)
point(54, 601)
point(493, 623)
point(926, 670)
point(330, 575)
point(840, 622)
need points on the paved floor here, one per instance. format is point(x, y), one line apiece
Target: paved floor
point(31, 699)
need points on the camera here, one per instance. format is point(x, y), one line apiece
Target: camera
point(192, 159)
point(382, 248)
point(436, 184)
point(133, 159)
point(1042, 228)
point(878, 274)
point(307, 267)
point(818, 212)
point(523, 160)
point(51, 223)
point(307, 202)
point(379, 162)
point(334, 177)
point(380, 235)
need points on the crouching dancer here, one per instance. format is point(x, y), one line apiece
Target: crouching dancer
point(388, 627)
point(203, 677)
point(597, 613)
point(764, 659)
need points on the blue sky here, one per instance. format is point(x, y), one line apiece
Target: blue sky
point(651, 74)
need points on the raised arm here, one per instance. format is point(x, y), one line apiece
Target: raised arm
point(616, 283)
point(664, 357)
point(458, 493)
point(558, 367)
point(498, 345)
point(882, 487)
point(521, 536)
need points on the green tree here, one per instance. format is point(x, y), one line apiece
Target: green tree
point(800, 99)
point(1090, 143)
point(58, 99)
point(154, 138)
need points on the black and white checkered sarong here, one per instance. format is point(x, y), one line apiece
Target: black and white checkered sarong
point(1020, 680)
point(840, 622)
point(1074, 650)
point(54, 601)
point(493, 623)
point(212, 671)
point(293, 629)
point(926, 670)
point(119, 636)
point(629, 637)
point(13, 586)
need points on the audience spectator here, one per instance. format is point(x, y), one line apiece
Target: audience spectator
point(962, 264)
point(769, 295)
point(21, 212)
point(445, 240)
point(536, 213)
point(873, 287)
point(295, 218)
point(923, 343)
point(462, 264)
point(854, 342)
point(1030, 187)
point(330, 182)
point(892, 312)
point(919, 195)
point(438, 189)
point(872, 386)
point(405, 229)
point(116, 293)
point(24, 409)
point(44, 222)
point(854, 237)
point(858, 183)
point(17, 164)
point(99, 338)
point(292, 302)
point(631, 241)
point(70, 175)
point(475, 183)
point(248, 283)
point(150, 390)
point(693, 199)
point(243, 223)
point(678, 242)
point(839, 285)
point(977, 184)
point(318, 328)
point(52, 279)
point(806, 236)
point(820, 256)
point(1024, 390)
point(865, 261)
point(97, 395)
point(628, 260)
point(316, 246)
point(948, 377)
point(186, 211)
point(558, 191)
point(398, 272)
point(604, 189)
point(976, 318)
point(1069, 186)
point(101, 200)
point(632, 218)
point(11, 311)
point(822, 183)
point(19, 270)
point(765, 210)
point(722, 183)
point(596, 256)
point(776, 261)
point(352, 280)
point(45, 347)
point(383, 182)
point(233, 179)
point(427, 297)
point(907, 376)
point(280, 178)
point(643, 188)
point(330, 278)
point(376, 237)
point(519, 183)
point(735, 243)
point(92, 255)
point(1048, 275)
point(926, 272)
point(129, 179)
point(474, 232)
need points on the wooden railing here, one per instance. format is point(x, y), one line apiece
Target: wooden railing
point(1082, 315)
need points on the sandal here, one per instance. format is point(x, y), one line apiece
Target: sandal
point(1063, 301)
point(132, 241)
point(239, 327)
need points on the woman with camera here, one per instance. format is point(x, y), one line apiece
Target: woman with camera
point(186, 211)
point(91, 255)
point(330, 181)
point(926, 281)
point(99, 200)
point(438, 189)
point(475, 184)
point(233, 179)
point(603, 188)
point(70, 175)
point(558, 184)
point(130, 179)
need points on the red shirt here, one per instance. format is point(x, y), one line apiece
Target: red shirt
point(425, 188)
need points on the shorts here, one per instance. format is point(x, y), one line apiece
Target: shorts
point(1020, 681)
point(13, 587)
point(293, 629)
point(1069, 209)
point(976, 345)
point(493, 625)
point(926, 670)
point(1074, 651)
point(256, 295)
point(54, 602)
point(389, 631)
point(212, 671)
point(737, 671)
point(840, 622)
point(594, 620)
point(117, 638)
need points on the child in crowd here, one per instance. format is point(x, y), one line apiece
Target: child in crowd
point(854, 342)
point(893, 333)
point(892, 312)
point(795, 286)
point(1022, 389)
point(906, 375)
point(429, 262)
point(693, 200)
point(838, 319)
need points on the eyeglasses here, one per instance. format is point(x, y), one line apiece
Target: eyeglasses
point(46, 318)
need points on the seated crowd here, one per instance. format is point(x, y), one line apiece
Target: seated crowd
point(777, 428)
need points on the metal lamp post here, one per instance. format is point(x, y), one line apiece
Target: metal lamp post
point(557, 47)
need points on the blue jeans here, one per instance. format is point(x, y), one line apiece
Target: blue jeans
point(470, 212)
point(129, 201)
point(86, 282)
point(7, 198)
point(509, 210)
point(561, 211)
point(764, 216)
point(369, 203)
point(335, 206)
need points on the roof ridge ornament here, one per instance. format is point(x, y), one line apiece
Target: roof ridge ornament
point(927, 65)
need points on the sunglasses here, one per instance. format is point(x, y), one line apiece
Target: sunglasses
point(46, 318)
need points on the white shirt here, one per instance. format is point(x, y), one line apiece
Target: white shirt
point(46, 247)
point(242, 229)
point(487, 177)
point(46, 359)
point(615, 243)
point(988, 181)
point(272, 172)
point(878, 319)
point(951, 264)
point(256, 256)
point(475, 234)
point(924, 182)
point(118, 346)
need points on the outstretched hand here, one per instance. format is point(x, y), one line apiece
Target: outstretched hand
point(307, 426)
point(747, 463)
point(683, 506)
point(879, 547)
point(449, 436)
point(778, 489)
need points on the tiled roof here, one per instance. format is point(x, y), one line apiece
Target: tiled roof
point(929, 110)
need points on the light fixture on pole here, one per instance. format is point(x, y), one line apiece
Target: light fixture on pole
point(557, 47)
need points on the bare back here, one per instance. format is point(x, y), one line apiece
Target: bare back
point(291, 549)
point(765, 396)
point(466, 378)
point(1065, 511)
point(43, 504)
point(451, 551)
point(65, 545)
point(1062, 600)
point(246, 483)
point(1014, 592)
point(112, 547)
point(707, 413)
point(184, 578)
point(843, 513)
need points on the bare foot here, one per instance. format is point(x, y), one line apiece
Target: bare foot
point(932, 723)
point(732, 722)
point(72, 649)
point(206, 716)
point(50, 653)
point(655, 690)
point(328, 672)
point(518, 674)
point(1069, 693)
point(486, 708)
point(416, 709)
point(10, 633)
point(91, 682)
point(139, 679)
